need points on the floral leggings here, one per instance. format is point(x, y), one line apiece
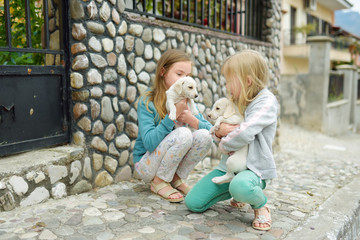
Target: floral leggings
point(178, 153)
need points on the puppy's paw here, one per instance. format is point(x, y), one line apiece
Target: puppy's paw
point(221, 179)
point(172, 116)
point(212, 130)
point(216, 126)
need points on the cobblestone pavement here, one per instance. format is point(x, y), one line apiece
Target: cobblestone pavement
point(311, 167)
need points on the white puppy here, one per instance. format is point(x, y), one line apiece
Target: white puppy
point(225, 111)
point(183, 88)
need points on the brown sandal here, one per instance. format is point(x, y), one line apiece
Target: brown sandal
point(236, 204)
point(262, 219)
point(177, 184)
point(162, 185)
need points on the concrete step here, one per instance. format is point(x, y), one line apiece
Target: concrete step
point(28, 178)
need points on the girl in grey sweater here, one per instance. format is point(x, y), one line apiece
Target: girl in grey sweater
point(246, 76)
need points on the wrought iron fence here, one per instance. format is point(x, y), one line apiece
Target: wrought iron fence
point(238, 17)
point(25, 34)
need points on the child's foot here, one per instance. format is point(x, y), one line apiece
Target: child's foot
point(262, 219)
point(181, 186)
point(166, 191)
point(236, 204)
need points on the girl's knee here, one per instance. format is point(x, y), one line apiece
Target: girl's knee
point(241, 189)
point(203, 136)
point(184, 135)
point(194, 205)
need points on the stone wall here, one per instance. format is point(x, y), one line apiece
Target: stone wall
point(114, 57)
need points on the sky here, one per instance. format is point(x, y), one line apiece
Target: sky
point(356, 5)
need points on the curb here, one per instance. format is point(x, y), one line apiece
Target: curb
point(337, 218)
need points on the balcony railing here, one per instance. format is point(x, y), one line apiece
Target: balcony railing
point(295, 37)
point(238, 17)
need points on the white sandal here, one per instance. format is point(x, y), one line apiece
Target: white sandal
point(176, 184)
point(261, 219)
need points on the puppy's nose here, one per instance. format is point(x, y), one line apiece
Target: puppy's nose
point(209, 116)
point(196, 95)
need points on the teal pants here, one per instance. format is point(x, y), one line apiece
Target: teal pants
point(245, 187)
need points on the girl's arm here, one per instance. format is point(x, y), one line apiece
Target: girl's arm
point(197, 121)
point(263, 113)
point(203, 123)
point(151, 134)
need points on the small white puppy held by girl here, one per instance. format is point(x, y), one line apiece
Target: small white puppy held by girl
point(246, 76)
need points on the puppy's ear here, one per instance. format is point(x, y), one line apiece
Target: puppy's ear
point(178, 86)
point(229, 110)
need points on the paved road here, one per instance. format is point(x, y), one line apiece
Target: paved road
point(312, 170)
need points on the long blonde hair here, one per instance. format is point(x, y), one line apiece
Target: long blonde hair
point(157, 93)
point(243, 66)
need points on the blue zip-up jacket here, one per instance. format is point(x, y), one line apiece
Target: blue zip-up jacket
point(258, 130)
point(152, 131)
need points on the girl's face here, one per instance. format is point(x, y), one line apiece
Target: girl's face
point(177, 71)
point(234, 87)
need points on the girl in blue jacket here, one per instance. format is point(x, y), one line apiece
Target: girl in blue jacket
point(246, 76)
point(164, 155)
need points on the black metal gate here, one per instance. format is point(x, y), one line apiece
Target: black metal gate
point(33, 98)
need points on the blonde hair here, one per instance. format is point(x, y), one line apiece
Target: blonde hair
point(243, 66)
point(157, 93)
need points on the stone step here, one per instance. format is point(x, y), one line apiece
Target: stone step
point(31, 177)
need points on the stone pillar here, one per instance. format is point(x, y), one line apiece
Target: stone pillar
point(345, 107)
point(316, 83)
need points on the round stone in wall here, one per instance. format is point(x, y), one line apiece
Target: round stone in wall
point(78, 31)
point(92, 10)
point(122, 142)
point(99, 144)
point(103, 179)
point(80, 62)
point(107, 113)
point(76, 80)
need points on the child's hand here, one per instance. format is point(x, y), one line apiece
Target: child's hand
point(224, 129)
point(187, 117)
point(180, 107)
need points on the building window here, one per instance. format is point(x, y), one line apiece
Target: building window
point(325, 28)
point(293, 25)
point(315, 22)
point(336, 87)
